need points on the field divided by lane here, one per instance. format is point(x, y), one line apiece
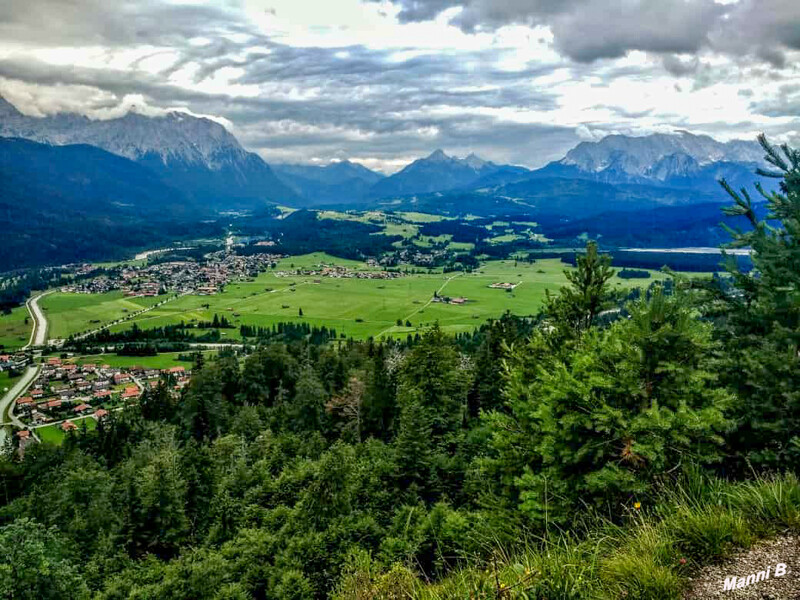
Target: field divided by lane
point(76, 313)
point(371, 307)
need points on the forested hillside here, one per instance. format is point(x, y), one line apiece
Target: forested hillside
point(63, 204)
point(603, 449)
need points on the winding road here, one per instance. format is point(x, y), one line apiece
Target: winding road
point(38, 338)
point(39, 333)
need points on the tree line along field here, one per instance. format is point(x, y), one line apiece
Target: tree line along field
point(356, 307)
point(164, 360)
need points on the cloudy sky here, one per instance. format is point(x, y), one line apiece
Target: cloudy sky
point(385, 81)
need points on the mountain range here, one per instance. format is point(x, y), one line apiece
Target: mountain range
point(203, 160)
point(331, 184)
point(195, 155)
point(681, 160)
point(162, 172)
point(62, 204)
point(438, 172)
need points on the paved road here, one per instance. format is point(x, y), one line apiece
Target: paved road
point(39, 333)
point(38, 338)
point(7, 401)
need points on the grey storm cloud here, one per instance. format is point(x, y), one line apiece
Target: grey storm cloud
point(587, 30)
point(358, 101)
point(116, 23)
point(368, 102)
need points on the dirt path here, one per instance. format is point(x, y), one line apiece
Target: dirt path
point(423, 307)
point(709, 583)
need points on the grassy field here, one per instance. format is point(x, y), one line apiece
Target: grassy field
point(55, 435)
point(7, 382)
point(496, 232)
point(160, 361)
point(363, 308)
point(14, 331)
point(657, 553)
point(75, 313)
point(416, 217)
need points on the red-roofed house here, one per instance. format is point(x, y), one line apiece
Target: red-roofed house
point(130, 392)
point(102, 394)
point(177, 370)
point(37, 393)
point(25, 439)
point(53, 361)
point(82, 408)
point(68, 426)
point(53, 404)
point(100, 414)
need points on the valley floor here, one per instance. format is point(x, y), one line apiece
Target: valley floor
point(358, 308)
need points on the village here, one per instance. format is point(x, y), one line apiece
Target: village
point(180, 277)
point(339, 272)
point(64, 393)
point(14, 362)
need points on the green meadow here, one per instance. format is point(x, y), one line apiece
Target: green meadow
point(55, 435)
point(361, 307)
point(74, 313)
point(161, 361)
point(6, 381)
point(14, 330)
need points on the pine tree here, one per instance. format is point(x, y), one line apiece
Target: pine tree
point(605, 420)
point(412, 446)
point(577, 305)
point(759, 318)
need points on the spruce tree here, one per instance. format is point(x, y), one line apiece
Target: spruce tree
point(578, 304)
point(759, 317)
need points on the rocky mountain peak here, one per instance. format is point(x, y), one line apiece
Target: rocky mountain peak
point(438, 155)
point(7, 109)
point(636, 155)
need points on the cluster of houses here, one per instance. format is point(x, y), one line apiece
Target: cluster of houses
point(183, 277)
point(14, 362)
point(96, 285)
point(414, 256)
point(64, 391)
point(448, 300)
point(338, 272)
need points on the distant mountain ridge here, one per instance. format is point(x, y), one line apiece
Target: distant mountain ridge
point(640, 153)
point(342, 181)
point(195, 154)
point(333, 173)
point(680, 160)
point(61, 204)
point(438, 172)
